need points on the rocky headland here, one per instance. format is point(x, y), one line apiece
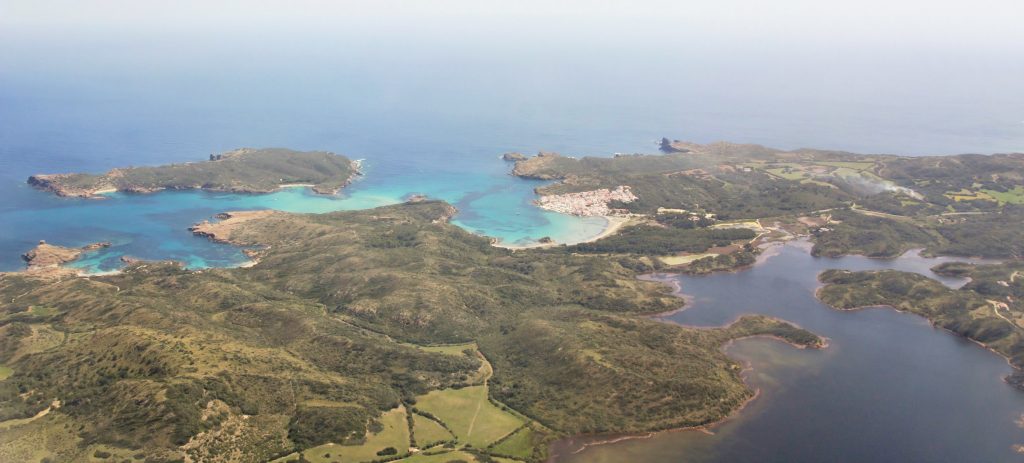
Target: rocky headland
point(539, 166)
point(228, 222)
point(48, 260)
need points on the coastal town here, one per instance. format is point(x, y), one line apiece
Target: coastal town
point(587, 203)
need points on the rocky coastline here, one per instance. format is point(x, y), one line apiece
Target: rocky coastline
point(227, 223)
point(536, 167)
point(48, 260)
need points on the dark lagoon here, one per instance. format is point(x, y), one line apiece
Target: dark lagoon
point(889, 388)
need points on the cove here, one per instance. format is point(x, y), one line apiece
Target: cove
point(154, 226)
point(890, 388)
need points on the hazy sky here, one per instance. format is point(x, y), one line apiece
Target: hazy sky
point(990, 24)
point(872, 75)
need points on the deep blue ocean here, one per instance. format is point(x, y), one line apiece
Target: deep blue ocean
point(433, 117)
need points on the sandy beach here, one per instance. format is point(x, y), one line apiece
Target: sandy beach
point(613, 225)
point(295, 185)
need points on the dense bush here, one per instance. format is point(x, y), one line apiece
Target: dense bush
point(312, 426)
point(653, 240)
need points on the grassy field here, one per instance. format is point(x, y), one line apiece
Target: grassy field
point(395, 434)
point(451, 349)
point(811, 181)
point(805, 172)
point(788, 174)
point(43, 338)
point(750, 224)
point(44, 438)
point(854, 165)
point(520, 444)
point(5, 372)
point(106, 453)
point(681, 260)
point(473, 418)
point(427, 431)
point(450, 456)
point(1014, 196)
point(42, 311)
point(970, 195)
point(455, 455)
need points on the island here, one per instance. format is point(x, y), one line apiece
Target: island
point(513, 156)
point(363, 335)
point(243, 170)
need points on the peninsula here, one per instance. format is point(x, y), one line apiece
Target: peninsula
point(243, 170)
point(705, 202)
point(48, 260)
point(358, 334)
point(989, 309)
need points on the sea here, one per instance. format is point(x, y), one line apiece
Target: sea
point(432, 115)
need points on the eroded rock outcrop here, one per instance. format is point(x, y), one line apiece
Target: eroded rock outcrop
point(48, 259)
point(227, 223)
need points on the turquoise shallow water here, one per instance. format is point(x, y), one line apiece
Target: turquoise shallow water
point(154, 226)
point(431, 116)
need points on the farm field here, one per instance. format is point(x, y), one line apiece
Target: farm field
point(468, 413)
point(970, 195)
point(682, 260)
point(1014, 196)
point(855, 165)
point(428, 432)
point(395, 434)
point(520, 444)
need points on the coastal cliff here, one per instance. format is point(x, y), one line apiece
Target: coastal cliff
point(543, 166)
point(244, 170)
point(227, 222)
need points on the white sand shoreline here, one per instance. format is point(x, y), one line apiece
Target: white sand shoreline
point(296, 185)
point(613, 224)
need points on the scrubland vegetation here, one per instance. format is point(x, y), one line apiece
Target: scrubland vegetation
point(343, 325)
